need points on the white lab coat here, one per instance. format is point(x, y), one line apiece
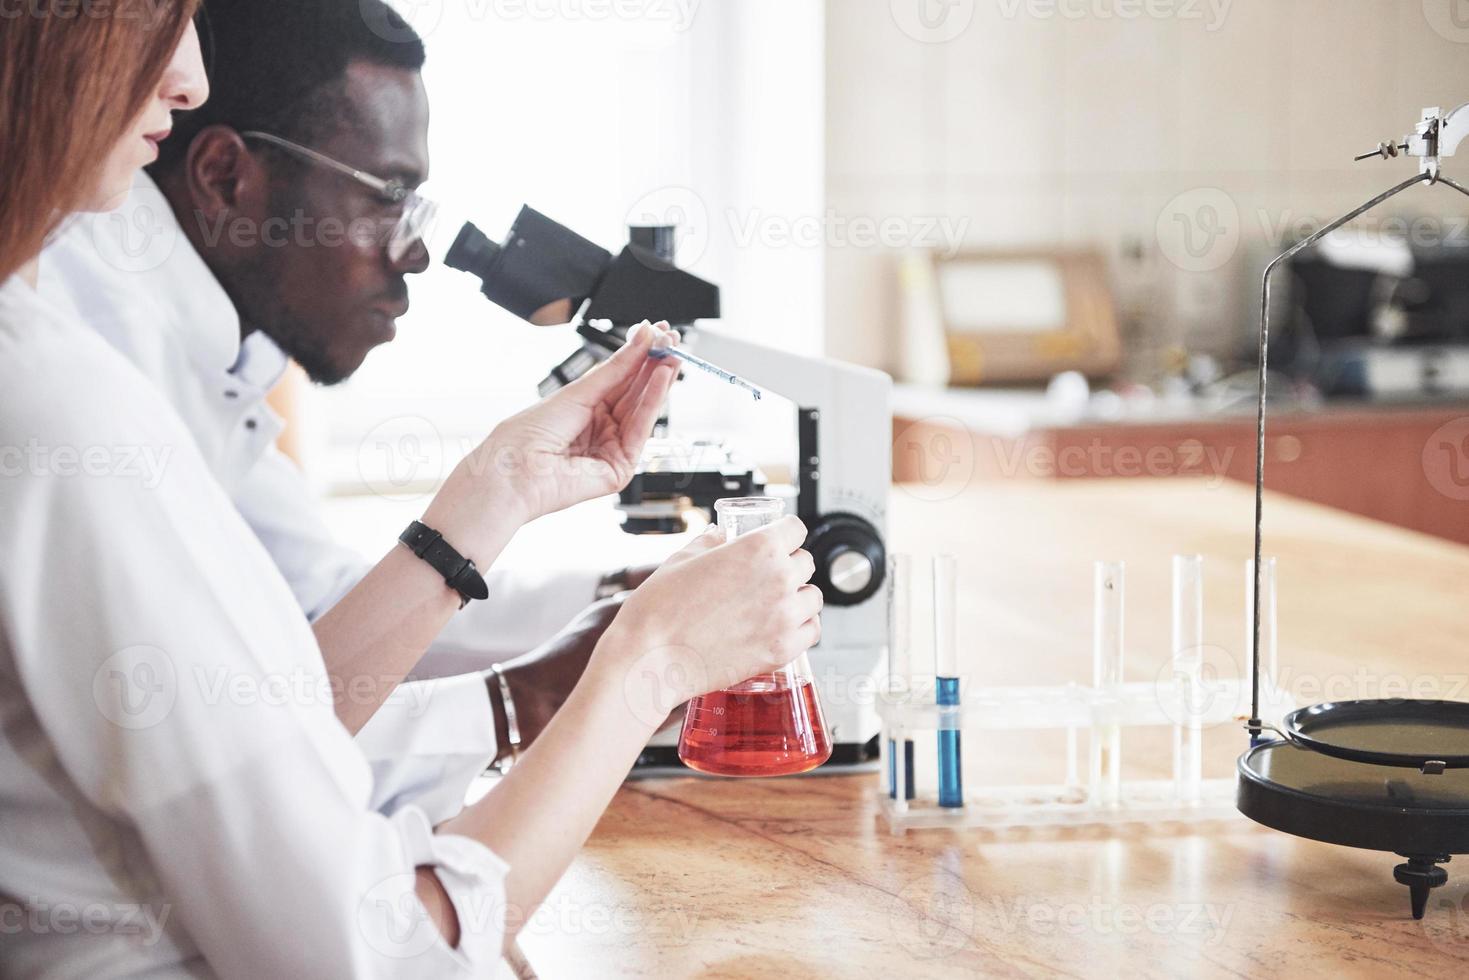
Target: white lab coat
point(178, 795)
point(133, 276)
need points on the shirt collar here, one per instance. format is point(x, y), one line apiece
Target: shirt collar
point(260, 362)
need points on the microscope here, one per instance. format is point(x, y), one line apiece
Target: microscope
point(841, 418)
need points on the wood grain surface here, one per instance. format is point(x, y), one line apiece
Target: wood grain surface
point(799, 877)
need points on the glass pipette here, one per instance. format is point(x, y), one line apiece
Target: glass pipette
point(704, 365)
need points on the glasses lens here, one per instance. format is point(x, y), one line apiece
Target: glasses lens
point(413, 225)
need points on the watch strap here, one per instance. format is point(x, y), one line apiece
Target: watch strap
point(459, 572)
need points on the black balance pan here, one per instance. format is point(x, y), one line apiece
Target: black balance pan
point(1430, 736)
point(1396, 808)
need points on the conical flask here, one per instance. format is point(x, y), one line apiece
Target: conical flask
point(770, 724)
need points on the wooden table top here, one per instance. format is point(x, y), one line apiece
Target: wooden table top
point(692, 877)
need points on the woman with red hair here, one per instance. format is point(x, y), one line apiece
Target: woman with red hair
point(178, 795)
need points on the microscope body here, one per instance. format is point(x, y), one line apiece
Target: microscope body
point(841, 475)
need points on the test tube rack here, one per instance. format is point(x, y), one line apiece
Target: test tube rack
point(1095, 719)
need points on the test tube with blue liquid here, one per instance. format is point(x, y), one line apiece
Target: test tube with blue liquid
point(946, 682)
point(900, 664)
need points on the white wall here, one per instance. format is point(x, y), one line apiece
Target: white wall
point(1090, 122)
point(707, 113)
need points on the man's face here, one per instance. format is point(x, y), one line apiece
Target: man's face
point(331, 292)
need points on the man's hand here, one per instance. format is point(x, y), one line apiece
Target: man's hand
point(541, 679)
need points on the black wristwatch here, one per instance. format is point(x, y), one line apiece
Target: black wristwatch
point(459, 572)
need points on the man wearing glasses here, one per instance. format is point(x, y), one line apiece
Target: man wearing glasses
point(281, 222)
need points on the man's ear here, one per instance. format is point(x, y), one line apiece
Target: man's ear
point(222, 175)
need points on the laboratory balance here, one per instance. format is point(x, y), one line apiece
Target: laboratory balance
point(1386, 775)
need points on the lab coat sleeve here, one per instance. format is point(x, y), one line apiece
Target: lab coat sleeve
point(182, 694)
point(524, 608)
point(427, 743)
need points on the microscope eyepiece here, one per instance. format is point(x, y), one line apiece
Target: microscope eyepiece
point(472, 252)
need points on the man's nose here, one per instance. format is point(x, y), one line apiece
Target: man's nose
point(415, 259)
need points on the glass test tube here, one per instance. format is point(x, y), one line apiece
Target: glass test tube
point(1269, 625)
point(946, 681)
point(1188, 665)
point(900, 666)
point(1106, 746)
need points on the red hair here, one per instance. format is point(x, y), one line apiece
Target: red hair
point(73, 76)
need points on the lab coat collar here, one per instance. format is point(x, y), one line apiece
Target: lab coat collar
point(260, 364)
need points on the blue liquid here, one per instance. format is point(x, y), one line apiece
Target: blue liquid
point(951, 780)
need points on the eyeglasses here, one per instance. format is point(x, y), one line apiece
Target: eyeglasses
point(418, 212)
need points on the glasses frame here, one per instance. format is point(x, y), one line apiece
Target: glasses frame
point(418, 211)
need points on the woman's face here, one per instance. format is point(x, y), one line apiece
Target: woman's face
point(183, 86)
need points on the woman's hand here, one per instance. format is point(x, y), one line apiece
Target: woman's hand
point(585, 440)
point(711, 616)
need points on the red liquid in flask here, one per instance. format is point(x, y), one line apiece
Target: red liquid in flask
point(763, 727)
